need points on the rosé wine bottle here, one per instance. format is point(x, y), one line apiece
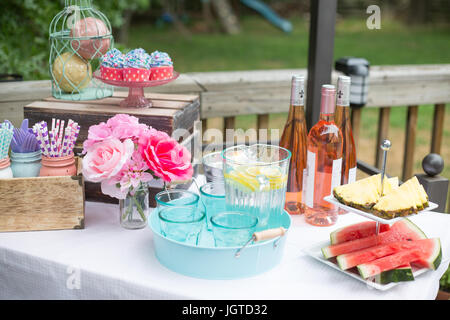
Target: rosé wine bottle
point(342, 119)
point(324, 163)
point(294, 139)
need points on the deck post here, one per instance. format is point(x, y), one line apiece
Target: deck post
point(320, 54)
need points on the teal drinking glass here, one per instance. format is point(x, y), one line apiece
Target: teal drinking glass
point(233, 228)
point(213, 198)
point(179, 215)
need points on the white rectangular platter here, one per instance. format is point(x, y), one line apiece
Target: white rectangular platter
point(333, 200)
point(315, 252)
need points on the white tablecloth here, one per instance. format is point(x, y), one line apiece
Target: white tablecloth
point(105, 261)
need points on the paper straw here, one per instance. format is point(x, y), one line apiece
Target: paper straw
point(74, 138)
point(66, 142)
point(37, 130)
point(53, 150)
point(60, 136)
point(44, 132)
point(6, 135)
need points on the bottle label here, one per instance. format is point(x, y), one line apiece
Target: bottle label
point(343, 93)
point(336, 174)
point(352, 175)
point(298, 93)
point(310, 173)
point(305, 172)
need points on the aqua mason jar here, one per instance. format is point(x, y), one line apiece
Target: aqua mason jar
point(26, 164)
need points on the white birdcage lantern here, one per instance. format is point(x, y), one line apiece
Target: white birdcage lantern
point(79, 36)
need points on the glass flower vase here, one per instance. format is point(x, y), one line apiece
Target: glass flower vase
point(134, 209)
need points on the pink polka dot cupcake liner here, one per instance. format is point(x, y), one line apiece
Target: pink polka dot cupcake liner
point(161, 73)
point(111, 73)
point(135, 74)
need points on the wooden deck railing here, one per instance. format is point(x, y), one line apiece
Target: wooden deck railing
point(225, 95)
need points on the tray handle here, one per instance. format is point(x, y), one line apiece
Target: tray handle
point(269, 234)
point(263, 235)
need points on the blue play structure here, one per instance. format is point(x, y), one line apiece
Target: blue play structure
point(257, 5)
point(269, 14)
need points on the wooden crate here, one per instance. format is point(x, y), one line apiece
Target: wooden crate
point(42, 203)
point(169, 113)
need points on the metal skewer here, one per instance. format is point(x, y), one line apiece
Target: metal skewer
point(385, 146)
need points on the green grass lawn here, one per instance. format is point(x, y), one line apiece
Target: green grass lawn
point(261, 46)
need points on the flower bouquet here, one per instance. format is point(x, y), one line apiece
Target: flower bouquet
point(124, 155)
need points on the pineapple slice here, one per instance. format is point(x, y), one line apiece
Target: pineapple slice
point(422, 192)
point(409, 198)
point(392, 185)
point(361, 194)
point(413, 191)
point(395, 204)
point(396, 200)
point(364, 193)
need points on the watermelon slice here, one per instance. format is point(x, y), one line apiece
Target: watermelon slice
point(356, 231)
point(402, 273)
point(399, 231)
point(429, 253)
point(352, 259)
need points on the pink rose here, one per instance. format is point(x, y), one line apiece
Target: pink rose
point(99, 132)
point(131, 176)
point(124, 126)
point(106, 158)
point(120, 119)
point(165, 157)
point(96, 133)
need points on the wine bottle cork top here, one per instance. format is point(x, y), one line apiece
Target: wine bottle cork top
point(342, 78)
point(328, 90)
point(327, 102)
point(297, 77)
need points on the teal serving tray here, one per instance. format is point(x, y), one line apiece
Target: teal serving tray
point(209, 262)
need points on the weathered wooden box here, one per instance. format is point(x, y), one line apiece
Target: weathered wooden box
point(174, 114)
point(42, 203)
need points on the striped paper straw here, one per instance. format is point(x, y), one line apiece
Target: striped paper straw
point(66, 142)
point(53, 150)
point(74, 139)
point(46, 140)
point(60, 136)
point(39, 140)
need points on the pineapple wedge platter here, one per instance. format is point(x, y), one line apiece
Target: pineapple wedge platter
point(396, 201)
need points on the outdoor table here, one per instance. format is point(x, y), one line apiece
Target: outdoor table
point(105, 261)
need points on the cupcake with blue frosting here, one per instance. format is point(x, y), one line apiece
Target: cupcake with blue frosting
point(161, 66)
point(137, 65)
point(111, 67)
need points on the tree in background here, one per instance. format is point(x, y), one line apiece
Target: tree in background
point(24, 45)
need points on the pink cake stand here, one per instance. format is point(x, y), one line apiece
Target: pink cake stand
point(136, 98)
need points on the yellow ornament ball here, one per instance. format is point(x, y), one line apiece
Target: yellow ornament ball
point(71, 73)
